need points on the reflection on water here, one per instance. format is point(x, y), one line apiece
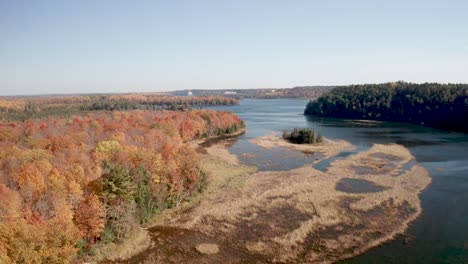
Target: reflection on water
point(440, 235)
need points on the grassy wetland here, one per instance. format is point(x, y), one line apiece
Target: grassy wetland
point(204, 186)
point(298, 215)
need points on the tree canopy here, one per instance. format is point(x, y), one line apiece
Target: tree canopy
point(81, 180)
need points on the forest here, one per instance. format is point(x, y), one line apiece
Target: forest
point(20, 109)
point(443, 106)
point(70, 183)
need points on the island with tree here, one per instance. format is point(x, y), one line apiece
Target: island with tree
point(302, 136)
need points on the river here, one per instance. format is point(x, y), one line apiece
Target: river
point(439, 235)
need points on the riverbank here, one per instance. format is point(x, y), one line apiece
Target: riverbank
point(293, 216)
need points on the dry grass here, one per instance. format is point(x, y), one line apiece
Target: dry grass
point(313, 194)
point(206, 248)
point(298, 215)
point(221, 152)
point(138, 242)
point(328, 147)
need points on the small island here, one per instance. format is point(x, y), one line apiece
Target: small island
point(302, 136)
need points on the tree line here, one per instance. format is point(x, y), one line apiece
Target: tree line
point(443, 106)
point(20, 109)
point(68, 184)
point(263, 93)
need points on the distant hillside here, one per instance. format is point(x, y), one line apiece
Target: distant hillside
point(262, 93)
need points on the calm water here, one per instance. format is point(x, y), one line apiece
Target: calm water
point(440, 235)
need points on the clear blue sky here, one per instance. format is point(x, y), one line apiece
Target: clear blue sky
point(137, 46)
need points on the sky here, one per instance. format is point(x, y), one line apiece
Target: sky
point(147, 46)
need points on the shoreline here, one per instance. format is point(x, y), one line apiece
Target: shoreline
point(213, 140)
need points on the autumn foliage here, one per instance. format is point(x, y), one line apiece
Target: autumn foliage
point(91, 179)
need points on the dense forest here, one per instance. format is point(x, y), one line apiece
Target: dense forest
point(69, 183)
point(443, 106)
point(14, 109)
